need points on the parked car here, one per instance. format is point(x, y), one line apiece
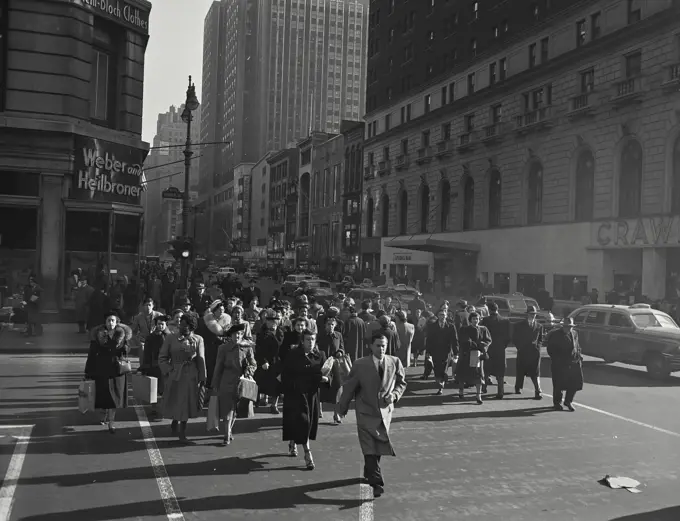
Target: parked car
point(361, 294)
point(324, 296)
point(224, 272)
point(250, 275)
point(292, 283)
point(401, 292)
point(346, 284)
point(514, 307)
point(636, 335)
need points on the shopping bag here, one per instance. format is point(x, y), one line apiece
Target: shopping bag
point(247, 389)
point(327, 367)
point(86, 395)
point(344, 366)
point(212, 422)
point(474, 359)
point(145, 388)
point(201, 395)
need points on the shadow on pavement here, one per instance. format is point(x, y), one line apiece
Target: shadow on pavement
point(664, 514)
point(597, 372)
point(276, 499)
point(480, 413)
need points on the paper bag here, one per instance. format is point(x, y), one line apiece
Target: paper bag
point(145, 388)
point(212, 421)
point(86, 395)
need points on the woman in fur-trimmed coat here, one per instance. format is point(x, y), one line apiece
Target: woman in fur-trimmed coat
point(216, 323)
point(109, 345)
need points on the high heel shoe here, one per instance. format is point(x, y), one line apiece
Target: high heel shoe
point(309, 460)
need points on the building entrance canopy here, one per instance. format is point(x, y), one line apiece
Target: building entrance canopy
point(433, 245)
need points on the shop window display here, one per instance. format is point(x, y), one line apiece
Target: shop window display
point(18, 245)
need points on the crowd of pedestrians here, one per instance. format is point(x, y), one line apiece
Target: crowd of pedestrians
point(297, 357)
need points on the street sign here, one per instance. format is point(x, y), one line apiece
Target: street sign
point(172, 193)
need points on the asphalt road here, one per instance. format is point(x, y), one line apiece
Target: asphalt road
point(513, 459)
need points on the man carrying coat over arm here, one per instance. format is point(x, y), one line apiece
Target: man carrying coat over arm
point(377, 381)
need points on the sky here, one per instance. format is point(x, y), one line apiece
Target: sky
point(174, 51)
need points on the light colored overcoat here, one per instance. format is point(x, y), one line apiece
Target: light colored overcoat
point(373, 414)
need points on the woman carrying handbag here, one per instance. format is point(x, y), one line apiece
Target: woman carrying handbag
point(108, 366)
point(235, 359)
point(474, 341)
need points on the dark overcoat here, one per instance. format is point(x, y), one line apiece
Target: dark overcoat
point(470, 339)
point(566, 360)
point(301, 379)
point(111, 388)
point(440, 342)
point(267, 348)
point(528, 339)
point(499, 329)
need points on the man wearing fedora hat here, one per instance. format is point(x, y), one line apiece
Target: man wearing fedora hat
point(567, 371)
point(528, 337)
point(200, 299)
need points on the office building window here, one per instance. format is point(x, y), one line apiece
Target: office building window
point(104, 74)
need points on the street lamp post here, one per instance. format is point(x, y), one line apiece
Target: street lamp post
point(190, 105)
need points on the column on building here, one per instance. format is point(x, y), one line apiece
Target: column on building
point(654, 273)
point(51, 227)
point(600, 271)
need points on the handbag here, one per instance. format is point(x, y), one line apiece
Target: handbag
point(201, 397)
point(86, 396)
point(124, 367)
point(247, 389)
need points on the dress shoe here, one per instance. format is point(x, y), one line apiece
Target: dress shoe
point(570, 407)
point(378, 490)
point(558, 407)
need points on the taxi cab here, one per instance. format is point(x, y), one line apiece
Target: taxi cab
point(514, 307)
point(636, 335)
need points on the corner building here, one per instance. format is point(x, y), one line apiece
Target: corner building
point(550, 161)
point(71, 153)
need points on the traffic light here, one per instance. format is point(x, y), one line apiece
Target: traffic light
point(182, 248)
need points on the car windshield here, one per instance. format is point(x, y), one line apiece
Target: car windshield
point(531, 302)
point(653, 320)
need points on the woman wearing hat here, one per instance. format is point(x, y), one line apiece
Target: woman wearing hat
point(235, 358)
point(237, 317)
point(473, 340)
point(217, 323)
point(292, 339)
point(108, 348)
point(301, 379)
point(182, 361)
point(528, 337)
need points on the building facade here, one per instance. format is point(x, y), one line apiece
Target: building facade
point(222, 223)
point(71, 153)
point(353, 137)
point(259, 213)
point(163, 168)
point(282, 186)
point(326, 206)
point(550, 162)
point(241, 214)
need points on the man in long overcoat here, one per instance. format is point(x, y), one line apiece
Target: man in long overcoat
point(499, 329)
point(567, 371)
point(528, 337)
point(377, 381)
point(355, 334)
point(441, 344)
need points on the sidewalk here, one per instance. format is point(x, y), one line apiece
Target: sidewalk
point(56, 339)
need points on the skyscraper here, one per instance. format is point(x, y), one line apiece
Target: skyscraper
point(274, 70)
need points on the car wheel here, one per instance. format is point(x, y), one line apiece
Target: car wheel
point(657, 367)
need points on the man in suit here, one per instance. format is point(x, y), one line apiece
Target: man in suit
point(406, 332)
point(377, 382)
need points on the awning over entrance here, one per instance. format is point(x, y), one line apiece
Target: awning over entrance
point(432, 245)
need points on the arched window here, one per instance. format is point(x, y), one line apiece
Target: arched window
point(385, 228)
point(403, 212)
point(584, 191)
point(535, 193)
point(424, 208)
point(468, 203)
point(630, 180)
point(675, 189)
point(495, 199)
point(369, 217)
point(445, 209)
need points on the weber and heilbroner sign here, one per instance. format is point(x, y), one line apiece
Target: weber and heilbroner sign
point(118, 11)
point(107, 172)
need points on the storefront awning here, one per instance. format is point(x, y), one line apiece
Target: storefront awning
point(432, 245)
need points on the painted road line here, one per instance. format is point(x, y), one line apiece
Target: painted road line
point(172, 509)
point(623, 418)
point(9, 484)
point(366, 505)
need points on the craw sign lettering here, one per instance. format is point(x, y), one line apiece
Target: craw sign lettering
point(645, 231)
